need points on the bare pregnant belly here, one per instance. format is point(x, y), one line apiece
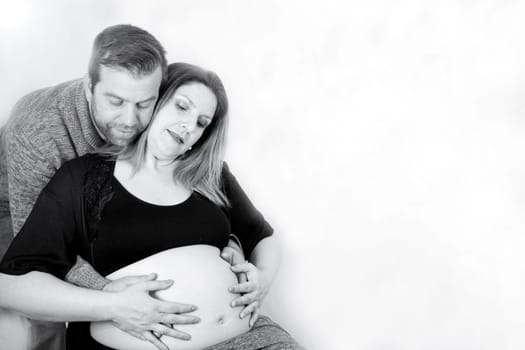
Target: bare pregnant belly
point(201, 277)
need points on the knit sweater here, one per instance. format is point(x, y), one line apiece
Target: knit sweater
point(46, 128)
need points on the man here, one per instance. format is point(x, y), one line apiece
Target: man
point(111, 105)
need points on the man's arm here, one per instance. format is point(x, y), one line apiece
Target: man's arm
point(84, 275)
point(30, 164)
point(55, 300)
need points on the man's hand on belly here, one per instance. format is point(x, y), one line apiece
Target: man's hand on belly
point(120, 284)
point(144, 317)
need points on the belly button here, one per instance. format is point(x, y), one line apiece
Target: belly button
point(221, 320)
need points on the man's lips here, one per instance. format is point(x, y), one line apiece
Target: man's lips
point(176, 136)
point(124, 131)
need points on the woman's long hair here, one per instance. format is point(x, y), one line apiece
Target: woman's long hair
point(199, 168)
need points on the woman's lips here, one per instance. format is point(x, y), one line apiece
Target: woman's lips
point(176, 136)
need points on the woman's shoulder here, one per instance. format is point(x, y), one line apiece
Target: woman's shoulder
point(226, 176)
point(225, 170)
point(229, 184)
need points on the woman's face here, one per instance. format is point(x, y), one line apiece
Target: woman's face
point(182, 120)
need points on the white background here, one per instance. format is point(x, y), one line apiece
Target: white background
point(384, 141)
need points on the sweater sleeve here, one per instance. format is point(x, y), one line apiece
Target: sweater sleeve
point(247, 223)
point(29, 168)
point(47, 241)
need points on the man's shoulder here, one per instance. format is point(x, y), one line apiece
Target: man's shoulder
point(43, 107)
point(41, 110)
point(49, 97)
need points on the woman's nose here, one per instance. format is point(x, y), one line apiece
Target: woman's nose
point(189, 123)
point(187, 128)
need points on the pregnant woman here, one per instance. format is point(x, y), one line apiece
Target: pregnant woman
point(165, 204)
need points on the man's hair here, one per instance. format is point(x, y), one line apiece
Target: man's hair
point(124, 46)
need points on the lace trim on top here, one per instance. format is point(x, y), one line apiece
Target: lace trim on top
point(98, 191)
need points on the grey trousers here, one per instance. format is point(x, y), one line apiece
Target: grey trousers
point(264, 335)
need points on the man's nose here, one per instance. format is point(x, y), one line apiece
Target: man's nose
point(129, 115)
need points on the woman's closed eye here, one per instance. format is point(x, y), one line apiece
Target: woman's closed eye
point(182, 106)
point(203, 122)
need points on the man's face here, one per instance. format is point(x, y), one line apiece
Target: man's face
point(122, 104)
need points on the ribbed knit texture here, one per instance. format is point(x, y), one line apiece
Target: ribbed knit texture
point(46, 128)
point(83, 274)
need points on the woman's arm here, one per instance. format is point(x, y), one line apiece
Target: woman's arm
point(247, 223)
point(266, 256)
point(256, 236)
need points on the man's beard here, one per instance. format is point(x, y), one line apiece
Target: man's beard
point(120, 135)
point(115, 133)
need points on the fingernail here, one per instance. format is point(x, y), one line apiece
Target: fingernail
point(242, 315)
point(187, 337)
point(193, 308)
point(230, 289)
point(233, 304)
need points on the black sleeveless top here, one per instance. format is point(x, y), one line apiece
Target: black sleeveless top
point(140, 229)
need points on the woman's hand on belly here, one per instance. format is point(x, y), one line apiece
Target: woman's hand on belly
point(252, 291)
point(234, 255)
